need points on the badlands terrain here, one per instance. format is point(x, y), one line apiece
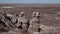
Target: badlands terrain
point(49, 16)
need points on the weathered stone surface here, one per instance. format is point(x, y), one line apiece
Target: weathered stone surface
point(50, 14)
point(34, 25)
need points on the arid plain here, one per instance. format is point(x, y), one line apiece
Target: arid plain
point(49, 15)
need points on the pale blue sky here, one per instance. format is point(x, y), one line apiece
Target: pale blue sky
point(30, 1)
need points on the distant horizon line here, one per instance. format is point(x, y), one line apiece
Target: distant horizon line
point(29, 3)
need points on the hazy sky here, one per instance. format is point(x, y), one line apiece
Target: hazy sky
point(29, 1)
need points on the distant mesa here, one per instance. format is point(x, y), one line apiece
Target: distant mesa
point(7, 7)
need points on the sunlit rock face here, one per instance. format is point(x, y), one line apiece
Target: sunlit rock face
point(7, 7)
